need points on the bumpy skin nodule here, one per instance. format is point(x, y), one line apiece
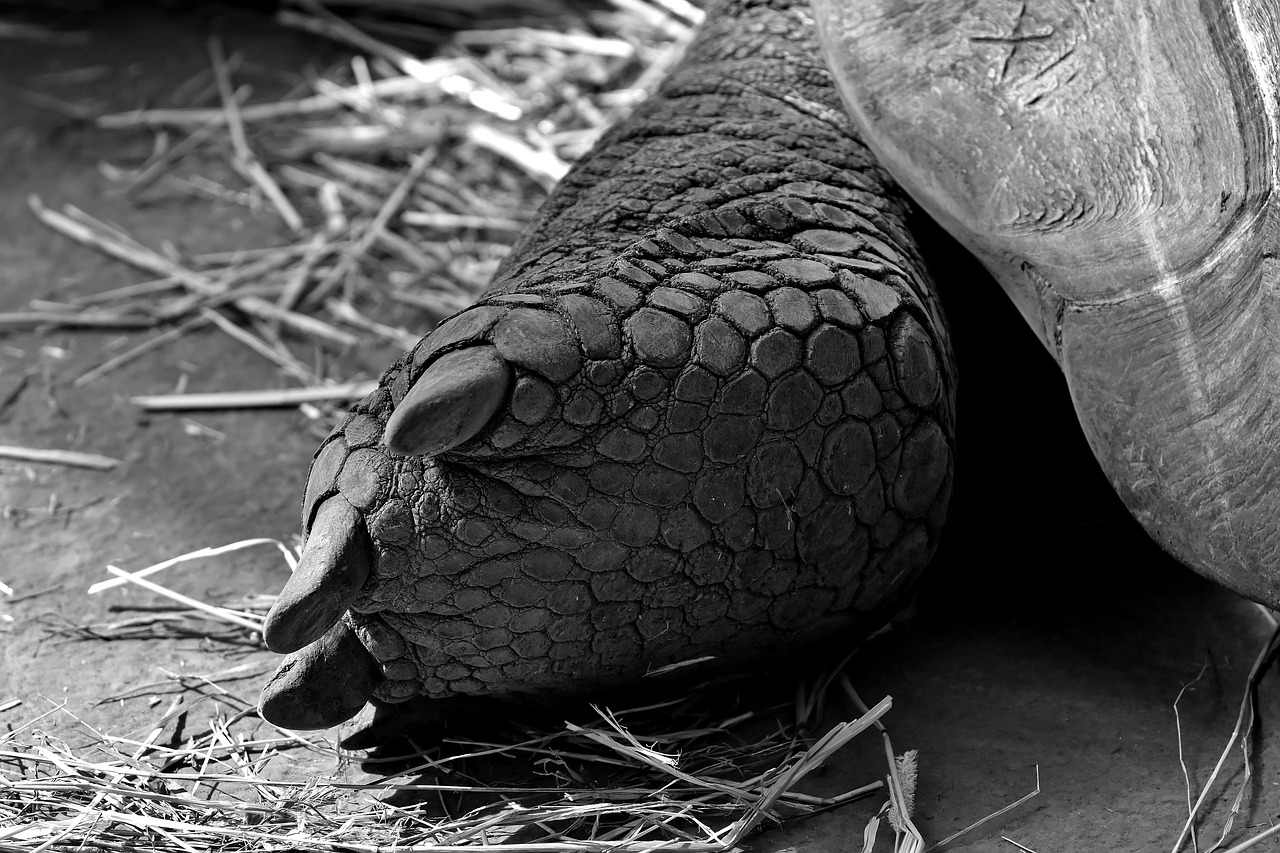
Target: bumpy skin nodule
point(730, 424)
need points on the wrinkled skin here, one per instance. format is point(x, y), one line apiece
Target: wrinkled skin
point(724, 428)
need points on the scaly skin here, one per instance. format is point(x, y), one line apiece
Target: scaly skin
point(730, 429)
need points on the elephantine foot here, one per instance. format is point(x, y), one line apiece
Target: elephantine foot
point(704, 415)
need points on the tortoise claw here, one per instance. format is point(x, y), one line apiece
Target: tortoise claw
point(451, 402)
point(334, 566)
point(323, 685)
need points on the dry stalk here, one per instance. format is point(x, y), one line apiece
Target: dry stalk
point(72, 458)
point(255, 399)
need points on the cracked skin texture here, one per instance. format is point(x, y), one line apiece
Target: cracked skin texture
point(729, 429)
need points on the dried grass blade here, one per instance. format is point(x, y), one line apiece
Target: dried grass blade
point(644, 756)
point(544, 166)
point(83, 319)
point(447, 221)
point(255, 399)
point(808, 761)
point(71, 458)
point(245, 159)
point(216, 612)
point(568, 42)
point(283, 360)
point(143, 288)
point(995, 814)
point(391, 87)
point(393, 203)
point(148, 174)
point(317, 248)
point(683, 11)
point(1186, 775)
point(200, 554)
point(44, 35)
point(345, 312)
point(271, 312)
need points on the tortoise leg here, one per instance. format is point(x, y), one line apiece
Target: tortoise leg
point(703, 416)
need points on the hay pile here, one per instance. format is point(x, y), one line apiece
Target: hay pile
point(398, 180)
point(595, 786)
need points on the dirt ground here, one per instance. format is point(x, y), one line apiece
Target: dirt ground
point(1050, 633)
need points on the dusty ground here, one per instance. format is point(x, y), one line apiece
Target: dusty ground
point(1050, 633)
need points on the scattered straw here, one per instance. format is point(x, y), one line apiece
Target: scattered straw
point(1243, 733)
point(401, 168)
point(202, 780)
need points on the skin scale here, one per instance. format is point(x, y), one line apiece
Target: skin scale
point(707, 407)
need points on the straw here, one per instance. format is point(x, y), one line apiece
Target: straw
point(71, 458)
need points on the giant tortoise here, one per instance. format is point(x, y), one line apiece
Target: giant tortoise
point(705, 413)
